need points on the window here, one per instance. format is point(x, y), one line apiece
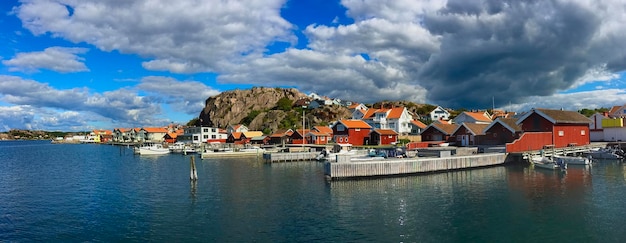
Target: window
point(205, 137)
point(213, 130)
point(561, 133)
point(357, 129)
point(341, 128)
point(582, 132)
point(195, 138)
point(213, 136)
point(206, 130)
point(322, 138)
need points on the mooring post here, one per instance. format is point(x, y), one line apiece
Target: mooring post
point(193, 174)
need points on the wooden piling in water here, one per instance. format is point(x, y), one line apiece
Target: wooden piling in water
point(193, 174)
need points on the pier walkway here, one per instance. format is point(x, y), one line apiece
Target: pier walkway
point(389, 167)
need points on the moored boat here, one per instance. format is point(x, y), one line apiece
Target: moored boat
point(548, 163)
point(574, 160)
point(151, 149)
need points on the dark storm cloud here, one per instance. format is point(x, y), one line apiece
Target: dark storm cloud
point(507, 50)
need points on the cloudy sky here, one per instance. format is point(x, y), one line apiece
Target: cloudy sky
point(78, 65)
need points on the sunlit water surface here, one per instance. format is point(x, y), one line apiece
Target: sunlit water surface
point(88, 192)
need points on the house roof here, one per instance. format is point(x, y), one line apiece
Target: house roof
point(370, 113)
point(302, 132)
point(251, 134)
point(474, 128)
point(478, 116)
point(615, 109)
point(323, 129)
point(418, 124)
point(155, 129)
point(557, 116)
point(395, 113)
point(236, 135)
point(172, 134)
point(508, 123)
point(317, 134)
point(354, 124)
point(447, 129)
point(385, 132)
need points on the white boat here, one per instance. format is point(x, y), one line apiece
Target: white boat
point(548, 163)
point(578, 160)
point(177, 147)
point(152, 149)
point(605, 153)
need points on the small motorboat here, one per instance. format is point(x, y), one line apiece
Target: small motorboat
point(548, 163)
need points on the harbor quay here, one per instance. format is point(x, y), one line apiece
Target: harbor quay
point(344, 168)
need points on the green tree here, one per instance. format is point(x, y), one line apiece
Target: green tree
point(193, 122)
point(284, 104)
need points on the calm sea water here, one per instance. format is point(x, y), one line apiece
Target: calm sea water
point(104, 193)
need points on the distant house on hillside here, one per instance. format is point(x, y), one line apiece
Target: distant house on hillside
point(439, 113)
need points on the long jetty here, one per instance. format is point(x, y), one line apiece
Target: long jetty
point(286, 157)
point(345, 168)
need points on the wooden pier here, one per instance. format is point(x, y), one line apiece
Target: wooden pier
point(549, 151)
point(390, 167)
point(286, 157)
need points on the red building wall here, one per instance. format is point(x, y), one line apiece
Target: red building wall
point(536, 123)
point(498, 135)
point(357, 136)
point(529, 141)
point(431, 133)
point(383, 139)
point(575, 134)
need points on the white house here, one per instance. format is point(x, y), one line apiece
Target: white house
point(397, 119)
point(439, 113)
point(236, 128)
point(203, 135)
point(473, 117)
point(596, 132)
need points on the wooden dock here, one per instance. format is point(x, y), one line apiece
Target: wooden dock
point(286, 157)
point(391, 167)
point(549, 151)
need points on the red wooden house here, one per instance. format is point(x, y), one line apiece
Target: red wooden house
point(319, 135)
point(355, 132)
point(280, 137)
point(298, 137)
point(556, 128)
point(383, 137)
point(439, 131)
point(469, 134)
point(502, 131)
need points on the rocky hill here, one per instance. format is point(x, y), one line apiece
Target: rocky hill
point(265, 109)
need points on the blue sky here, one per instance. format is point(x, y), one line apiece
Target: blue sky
point(80, 65)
